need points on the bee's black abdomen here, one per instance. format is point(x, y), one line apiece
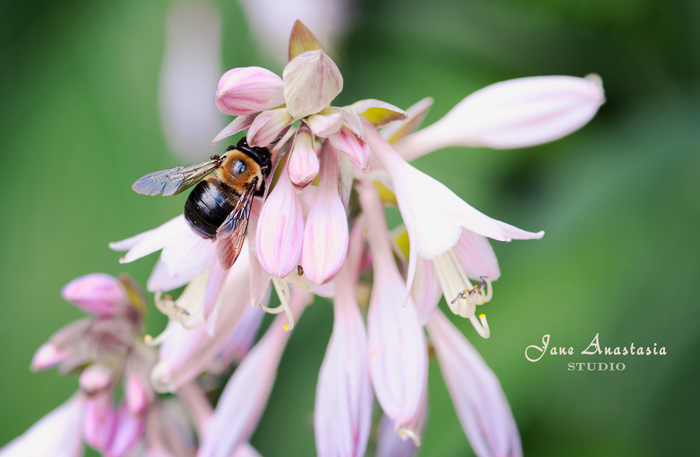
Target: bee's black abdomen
point(208, 206)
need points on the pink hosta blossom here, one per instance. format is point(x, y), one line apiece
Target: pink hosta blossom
point(482, 407)
point(186, 352)
point(250, 90)
point(326, 230)
point(435, 219)
point(98, 294)
point(245, 396)
point(512, 114)
point(280, 230)
point(108, 353)
point(343, 412)
point(303, 160)
point(399, 371)
point(299, 244)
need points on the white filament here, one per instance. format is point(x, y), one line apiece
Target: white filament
point(284, 293)
point(459, 294)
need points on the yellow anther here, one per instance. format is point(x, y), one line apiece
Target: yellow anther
point(482, 315)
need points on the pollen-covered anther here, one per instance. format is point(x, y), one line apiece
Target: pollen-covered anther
point(461, 297)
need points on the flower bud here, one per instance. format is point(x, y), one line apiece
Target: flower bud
point(280, 229)
point(347, 143)
point(98, 294)
point(326, 230)
point(249, 90)
point(98, 421)
point(303, 163)
point(512, 114)
point(267, 127)
point(95, 379)
point(311, 82)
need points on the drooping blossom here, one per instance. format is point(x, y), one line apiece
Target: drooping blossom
point(343, 407)
point(482, 407)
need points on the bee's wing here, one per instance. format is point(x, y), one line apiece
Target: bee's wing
point(175, 180)
point(231, 234)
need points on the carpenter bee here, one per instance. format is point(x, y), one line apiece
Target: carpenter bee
point(218, 208)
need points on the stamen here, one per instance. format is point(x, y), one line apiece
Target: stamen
point(187, 309)
point(408, 433)
point(157, 341)
point(455, 284)
point(481, 326)
point(284, 293)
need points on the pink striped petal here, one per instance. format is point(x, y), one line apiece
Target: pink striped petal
point(98, 293)
point(65, 344)
point(327, 122)
point(259, 278)
point(353, 121)
point(311, 82)
point(245, 396)
point(476, 256)
point(399, 371)
point(326, 231)
point(280, 230)
point(426, 289)
point(128, 431)
point(58, 434)
point(99, 420)
point(303, 162)
point(348, 144)
point(138, 392)
point(482, 407)
point(237, 125)
point(512, 114)
point(268, 126)
point(249, 90)
point(343, 411)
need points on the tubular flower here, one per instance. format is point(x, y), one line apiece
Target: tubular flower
point(109, 354)
point(338, 167)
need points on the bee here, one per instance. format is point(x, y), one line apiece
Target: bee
point(218, 208)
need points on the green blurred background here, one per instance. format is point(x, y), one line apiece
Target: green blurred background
point(618, 200)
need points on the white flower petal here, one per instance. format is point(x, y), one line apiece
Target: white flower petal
point(58, 434)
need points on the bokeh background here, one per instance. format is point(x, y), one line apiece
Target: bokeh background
point(80, 121)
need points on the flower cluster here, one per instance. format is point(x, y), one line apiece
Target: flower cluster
point(319, 226)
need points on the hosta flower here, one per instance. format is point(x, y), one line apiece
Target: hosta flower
point(107, 351)
point(299, 245)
